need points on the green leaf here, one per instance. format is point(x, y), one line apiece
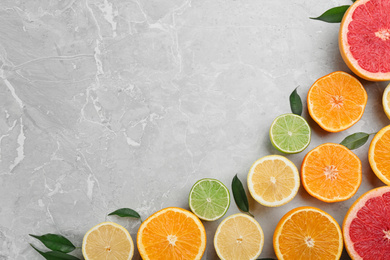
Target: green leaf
point(125, 212)
point(355, 140)
point(55, 255)
point(56, 242)
point(240, 195)
point(333, 15)
point(296, 103)
point(354, 1)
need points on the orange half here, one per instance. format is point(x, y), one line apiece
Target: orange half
point(379, 155)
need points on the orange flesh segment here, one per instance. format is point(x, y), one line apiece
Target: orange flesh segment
point(382, 155)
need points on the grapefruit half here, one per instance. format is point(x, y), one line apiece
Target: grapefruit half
point(364, 39)
point(366, 227)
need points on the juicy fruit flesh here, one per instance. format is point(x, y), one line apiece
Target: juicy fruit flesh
point(369, 36)
point(382, 155)
point(370, 230)
point(332, 172)
point(290, 133)
point(209, 199)
point(239, 238)
point(108, 242)
point(172, 235)
point(309, 235)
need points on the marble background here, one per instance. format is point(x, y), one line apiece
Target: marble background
point(127, 103)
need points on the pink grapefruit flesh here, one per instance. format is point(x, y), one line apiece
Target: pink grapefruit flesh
point(366, 227)
point(364, 39)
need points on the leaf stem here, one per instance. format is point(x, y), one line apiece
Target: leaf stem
point(250, 214)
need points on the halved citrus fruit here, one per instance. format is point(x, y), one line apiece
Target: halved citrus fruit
point(366, 226)
point(364, 39)
point(171, 233)
point(379, 154)
point(239, 236)
point(107, 240)
point(273, 180)
point(331, 172)
point(290, 133)
point(209, 199)
point(336, 101)
point(307, 233)
point(386, 101)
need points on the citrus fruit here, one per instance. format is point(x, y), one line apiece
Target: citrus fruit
point(307, 233)
point(107, 240)
point(386, 101)
point(238, 236)
point(364, 39)
point(171, 233)
point(331, 172)
point(273, 180)
point(209, 199)
point(379, 154)
point(336, 101)
point(290, 133)
point(366, 226)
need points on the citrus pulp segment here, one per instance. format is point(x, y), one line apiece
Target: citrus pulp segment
point(331, 172)
point(238, 236)
point(379, 154)
point(209, 199)
point(109, 241)
point(366, 226)
point(307, 233)
point(171, 233)
point(273, 180)
point(336, 101)
point(386, 101)
point(290, 133)
point(364, 39)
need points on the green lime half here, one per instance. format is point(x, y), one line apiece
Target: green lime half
point(290, 133)
point(209, 199)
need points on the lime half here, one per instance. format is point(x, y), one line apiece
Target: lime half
point(290, 133)
point(209, 199)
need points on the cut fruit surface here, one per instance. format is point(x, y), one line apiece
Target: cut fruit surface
point(109, 241)
point(307, 233)
point(331, 172)
point(171, 233)
point(379, 154)
point(366, 226)
point(336, 101)
point(273, 180)
point(209, 199)
point(290, 133)
point(386, 101)
point(239, 236)
point(364, 39)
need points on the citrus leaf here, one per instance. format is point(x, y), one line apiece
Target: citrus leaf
point(240, 195)
point(296, 103)
point(355, 140)
point(56, 242)
point(333, 15)
point(125, 212)
point(55, 255)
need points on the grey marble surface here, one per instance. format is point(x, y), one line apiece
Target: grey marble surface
point(127, 103)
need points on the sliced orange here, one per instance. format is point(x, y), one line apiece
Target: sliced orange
point(379, 154)
point(331, 172)
point(239, 236)
point(108, 241)
point(308, 233)
point(171, 233)
point(336, 101)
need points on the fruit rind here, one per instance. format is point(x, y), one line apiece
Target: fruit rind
point(190, 204)
point(103, 224)
point(351, 214)
point(371, 158)
point(162, 211)
point(292, 212)
point(385, 102)
point(261, 200)
point(234, 216)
